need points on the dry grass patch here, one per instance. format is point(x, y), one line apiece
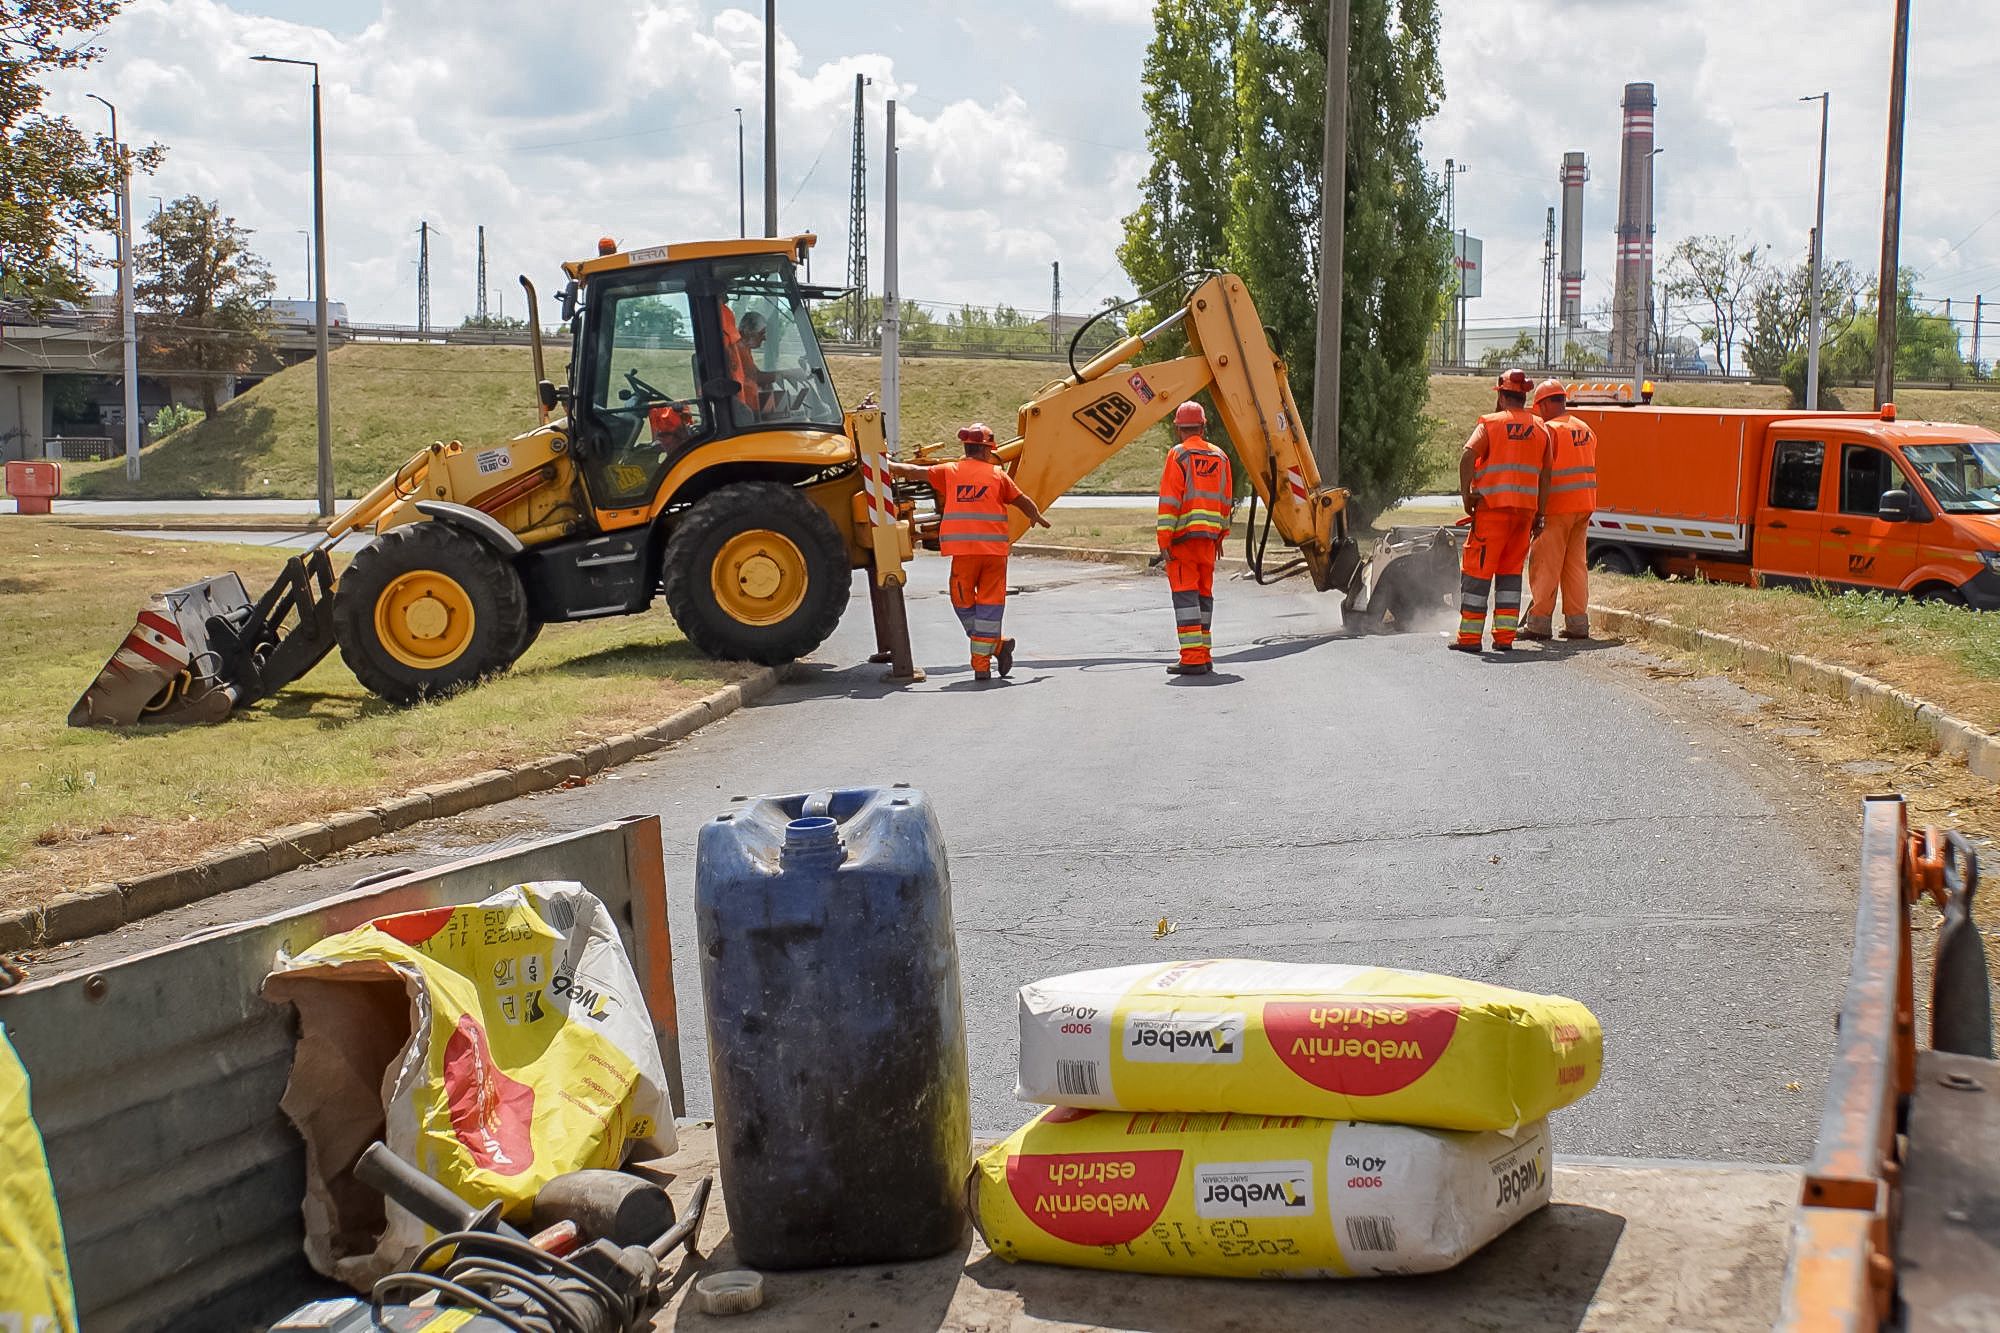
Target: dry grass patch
point(79, 806)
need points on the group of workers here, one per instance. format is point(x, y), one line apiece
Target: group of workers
point(975, 492)
point(1527, 477)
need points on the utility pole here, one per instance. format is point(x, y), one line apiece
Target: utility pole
point(1055, 305)
point(1548, 278)
point(1978, 301)
point(742, 213)
point(891, 336)
point(481, 310)
point(1332, 251)
point(423, 277)
point(319, 293)
point(857, 220)
point(127, 316)
point(1450, 345)
point(770, 117)
point(1892, 215)
point(1825, 101)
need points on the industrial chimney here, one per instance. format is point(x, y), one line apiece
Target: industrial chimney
point(1630, 299)
point(1575, 171)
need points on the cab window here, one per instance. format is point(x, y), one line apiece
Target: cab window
point(1865, 473)
point(769, 350)
point(1795, 474)
point(643, 393)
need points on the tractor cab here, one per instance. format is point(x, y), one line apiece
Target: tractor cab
point(680, 347)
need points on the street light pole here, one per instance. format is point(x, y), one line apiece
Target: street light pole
point(1332, 249)
point(1825, 101)
point(319, 291)
point(770, 117)
point(1892, 215)
point(742, 212)
point(127, 317)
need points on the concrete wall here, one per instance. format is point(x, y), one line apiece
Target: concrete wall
point(23, 415)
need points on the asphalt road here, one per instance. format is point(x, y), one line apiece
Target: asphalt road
point(1549, 821)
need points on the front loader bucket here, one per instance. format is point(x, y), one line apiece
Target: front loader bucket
point(167, 670)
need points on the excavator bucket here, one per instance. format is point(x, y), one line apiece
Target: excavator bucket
point(1412, 576)
point(165, 670)
point(199, 652)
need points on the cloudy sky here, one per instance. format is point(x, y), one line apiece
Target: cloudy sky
point(1021, 134)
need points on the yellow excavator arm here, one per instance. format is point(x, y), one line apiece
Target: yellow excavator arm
point(1077, 422)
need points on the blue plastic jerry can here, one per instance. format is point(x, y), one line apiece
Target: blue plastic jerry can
point(836, 1036)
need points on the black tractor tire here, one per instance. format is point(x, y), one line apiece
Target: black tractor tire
point(700, 538)
point(488, 581)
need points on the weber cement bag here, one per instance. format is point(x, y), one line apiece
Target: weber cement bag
point(1252, 1196)
point(1359, 1043)
point(495, 1046)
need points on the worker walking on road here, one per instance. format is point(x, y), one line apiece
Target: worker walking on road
point(1503, 480)
point(1195, 491)
point(1559, 558)
point(973, 497)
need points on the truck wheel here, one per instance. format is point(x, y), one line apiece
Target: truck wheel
point(756, 572)
point(1617, 560)
point(1938, 594)
point(426, 609)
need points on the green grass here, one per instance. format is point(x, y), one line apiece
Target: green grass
point(78, 806)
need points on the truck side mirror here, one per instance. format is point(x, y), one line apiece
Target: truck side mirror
point(548, 394)
point(1901, 507)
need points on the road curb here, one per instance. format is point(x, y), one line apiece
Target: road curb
point(105, 907)
point(1978, 747)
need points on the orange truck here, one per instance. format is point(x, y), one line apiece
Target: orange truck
point(1833, 500)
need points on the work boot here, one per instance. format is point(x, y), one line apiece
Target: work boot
point(1576, 629)
point(1006, 656)
point(1190, 669)
point(982, 675)
point(1499, 647)
point(1540, 629)
point(1458, 647)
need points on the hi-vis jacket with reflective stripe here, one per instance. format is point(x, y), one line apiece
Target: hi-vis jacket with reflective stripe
point(1195, 488)
point(1508, 463)
point(1573, 478)
point(973, 496)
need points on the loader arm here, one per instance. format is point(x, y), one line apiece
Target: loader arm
point(1077, 422)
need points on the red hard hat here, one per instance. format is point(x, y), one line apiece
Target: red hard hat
point(977, 433)
point(1548, 389)
point(1514, 381)
point(1190, 413)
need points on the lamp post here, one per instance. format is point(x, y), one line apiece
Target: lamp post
point(319, 290)
point(742, 212)
point(127, 318)
point(1825, 101)
point(770, 117)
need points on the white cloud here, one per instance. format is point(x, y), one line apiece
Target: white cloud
point(1118, 11)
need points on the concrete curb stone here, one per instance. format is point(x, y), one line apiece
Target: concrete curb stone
point(104, 907)
point(1954, 735)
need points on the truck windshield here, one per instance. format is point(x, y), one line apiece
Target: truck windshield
point(1963, 478)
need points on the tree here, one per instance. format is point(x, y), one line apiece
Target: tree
point(1926, 343)
point(56, 182)
point(1713, 271)
point(1189, 101)
point(1578, 357)
point(1781, 317)
point(493, 323)
point(1525, 347)
point(200, 292)
point(1257, 69)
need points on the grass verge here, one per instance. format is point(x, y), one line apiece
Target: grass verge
point(81, 806)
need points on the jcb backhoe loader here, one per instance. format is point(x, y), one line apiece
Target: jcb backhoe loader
point(696, 452)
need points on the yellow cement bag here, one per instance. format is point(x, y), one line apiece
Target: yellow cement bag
point(495, 1046)
point(35, 1294)
point(1359, 1043)
point(1252, 1196)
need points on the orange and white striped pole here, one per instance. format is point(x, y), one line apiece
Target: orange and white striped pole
point(889, 542)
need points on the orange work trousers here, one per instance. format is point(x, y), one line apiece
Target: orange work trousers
point(1494, 555)
point(979, 595)
point(1557, 562)
point(1191, 575)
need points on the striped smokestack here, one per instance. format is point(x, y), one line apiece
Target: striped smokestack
point(1575, 171)
point(1635, 229)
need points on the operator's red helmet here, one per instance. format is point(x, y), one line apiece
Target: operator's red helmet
point(1190, 413)
point(977, 433)
point(1514, 381)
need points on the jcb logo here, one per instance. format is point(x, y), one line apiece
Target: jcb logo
point(975, 490)
point(1519, 430)
point(1860, 564)
point(1106, 417)
point(1207, 467)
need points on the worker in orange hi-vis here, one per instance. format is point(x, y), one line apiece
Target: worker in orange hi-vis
point(1195, 491)
point(1503, 480)
point(1558, 559)
point(973, 497)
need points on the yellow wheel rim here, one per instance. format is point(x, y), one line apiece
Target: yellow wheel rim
point(759, 577)
point(424, 619)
